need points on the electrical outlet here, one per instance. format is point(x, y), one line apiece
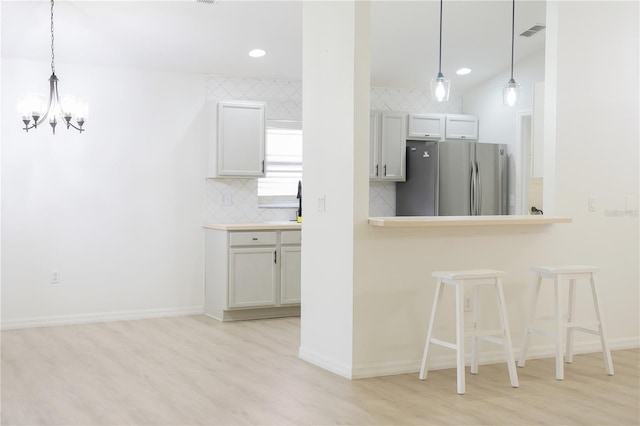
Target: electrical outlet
point(226, 200)
point(467, 304)
point(55, 277)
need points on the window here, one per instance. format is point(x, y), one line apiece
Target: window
point(283, 166)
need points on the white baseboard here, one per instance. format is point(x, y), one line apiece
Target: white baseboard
point(363, 371)
point(100, 317)
point(328, 364)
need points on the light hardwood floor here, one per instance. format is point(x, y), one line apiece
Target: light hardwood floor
point(195, 370)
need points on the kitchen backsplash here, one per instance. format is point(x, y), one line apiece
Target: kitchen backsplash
point(236, 200)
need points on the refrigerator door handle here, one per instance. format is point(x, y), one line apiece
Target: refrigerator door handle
point(472, 189)
point(479, 189)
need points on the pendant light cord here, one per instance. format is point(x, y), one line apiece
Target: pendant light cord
point(53, 67)
point(440, 47)
point(513, 24)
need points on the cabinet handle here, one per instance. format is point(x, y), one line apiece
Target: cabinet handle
point(427, 134)
point(275, 256)
point(376, 170)
point(462, 137)
point(254, 239)
point(385, 169)
point(262, 166)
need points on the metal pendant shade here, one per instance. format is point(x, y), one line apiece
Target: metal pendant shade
point(439, 85)
point(511, 90)
point(31, 109)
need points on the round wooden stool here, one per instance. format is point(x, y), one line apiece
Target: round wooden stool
point(460, 279)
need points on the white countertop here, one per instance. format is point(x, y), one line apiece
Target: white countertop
point(260, 226)
point(443, 221)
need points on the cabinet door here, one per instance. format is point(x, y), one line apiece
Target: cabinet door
point(241, 139)
point(290, 275)
point(426, 126)
point(394, 143)
point(252, 277)
point(462, 127)
point(374, 145)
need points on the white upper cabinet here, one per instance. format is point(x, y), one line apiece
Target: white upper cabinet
point(374, 145)
point(387, 145)
point(240, 140)
point(460, 126)
point(394, 145)
point(426, 126)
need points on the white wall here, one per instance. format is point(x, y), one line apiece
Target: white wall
point(393, 288)
point(497, 121)
point(336, 129)
point(117, 210)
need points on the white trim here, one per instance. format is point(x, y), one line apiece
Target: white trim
point(523, 172)
point(496, 356)
point(328, 364)
point(100, 317)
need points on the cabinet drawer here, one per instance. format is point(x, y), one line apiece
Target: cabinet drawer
point(291, 237)
point(252, 238)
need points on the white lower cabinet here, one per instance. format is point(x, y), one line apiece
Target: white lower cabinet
point(290, 275)
point(252, 277)
point(252, 274)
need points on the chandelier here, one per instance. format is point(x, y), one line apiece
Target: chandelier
point(32, 108)
point(439, 86)
point(511, 90)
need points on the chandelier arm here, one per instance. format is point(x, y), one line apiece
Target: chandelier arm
point(70, 124)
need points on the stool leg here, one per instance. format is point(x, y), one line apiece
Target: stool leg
point(504, 322)
point(425, 356)
point(559, 330)
point(460, 338)
point(535, 293)
point(606, 352)
point(474, 340)
point(570, 318)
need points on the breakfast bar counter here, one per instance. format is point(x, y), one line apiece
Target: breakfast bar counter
point(455, 221)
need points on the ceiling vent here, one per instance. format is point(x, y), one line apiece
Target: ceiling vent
point(207, 1)
point(529, 31)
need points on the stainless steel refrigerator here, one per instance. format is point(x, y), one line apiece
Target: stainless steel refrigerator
point(454, 178)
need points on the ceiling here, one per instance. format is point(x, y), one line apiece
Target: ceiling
point(190, 36)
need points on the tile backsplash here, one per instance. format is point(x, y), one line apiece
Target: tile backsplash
point(236, 200)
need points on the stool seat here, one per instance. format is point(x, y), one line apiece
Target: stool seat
point(564, 326)
point(567, 269)
point(501, 336)
point(468, 274)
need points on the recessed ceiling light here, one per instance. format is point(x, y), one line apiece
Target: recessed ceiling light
point(257, 53)
point(463, 71)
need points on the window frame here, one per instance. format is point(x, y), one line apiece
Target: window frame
point(277, 201)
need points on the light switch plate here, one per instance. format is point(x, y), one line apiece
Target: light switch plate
point(593, 206)
point(322, 203)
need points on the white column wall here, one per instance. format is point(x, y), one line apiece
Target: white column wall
point(335, 124)
point(118, 210)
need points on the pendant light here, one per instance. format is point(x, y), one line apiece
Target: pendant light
point(511, 90)
point(440, 86)
point(31, 108)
